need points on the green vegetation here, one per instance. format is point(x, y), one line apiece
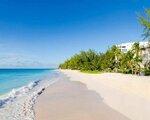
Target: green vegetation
point(113, 60)
point(145, 21)
point(147, 68)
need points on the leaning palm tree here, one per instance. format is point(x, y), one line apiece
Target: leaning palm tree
point(145, 21)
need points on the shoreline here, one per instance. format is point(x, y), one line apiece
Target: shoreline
point(19, 105)
point(127, 95)
point(72, 100)
point(124, 97)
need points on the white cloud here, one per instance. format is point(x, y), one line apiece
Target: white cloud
point(15, 60)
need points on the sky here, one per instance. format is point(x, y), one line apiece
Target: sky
point(44, 33)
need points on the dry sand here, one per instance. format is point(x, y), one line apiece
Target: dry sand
point(107, 96)
point(66, 100)
point(128, 94)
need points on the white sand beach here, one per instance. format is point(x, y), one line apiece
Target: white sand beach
point(128, 94)
point(71, 100)
point(106, 96)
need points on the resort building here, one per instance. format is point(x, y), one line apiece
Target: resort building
point(145, 49)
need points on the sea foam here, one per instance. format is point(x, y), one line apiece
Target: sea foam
point(18, 104)
point(9, 97)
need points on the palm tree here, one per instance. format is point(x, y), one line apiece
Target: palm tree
point(145, 21)
point(117, 57)
point(136, 58)
point(128, 62)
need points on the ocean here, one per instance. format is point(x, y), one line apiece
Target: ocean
point(15, 78)
point(19, 89)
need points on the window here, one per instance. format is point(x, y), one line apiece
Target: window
point(123, 46)
point(124, 50)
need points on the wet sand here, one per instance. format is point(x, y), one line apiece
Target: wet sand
point(72, 100)
point(127, 94)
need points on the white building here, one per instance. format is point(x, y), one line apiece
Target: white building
point(145, 49)
point(124, 47)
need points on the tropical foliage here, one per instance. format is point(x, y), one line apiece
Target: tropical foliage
point(145, 21)
point(113, 60)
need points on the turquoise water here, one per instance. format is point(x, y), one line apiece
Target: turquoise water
point(15, 78)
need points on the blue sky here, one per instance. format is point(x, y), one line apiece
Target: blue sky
point(40, 33)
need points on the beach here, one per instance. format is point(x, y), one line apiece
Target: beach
point(95, 97)
point(18, 103)
point(66, 100)
point(73, 95)
point(75, 60)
